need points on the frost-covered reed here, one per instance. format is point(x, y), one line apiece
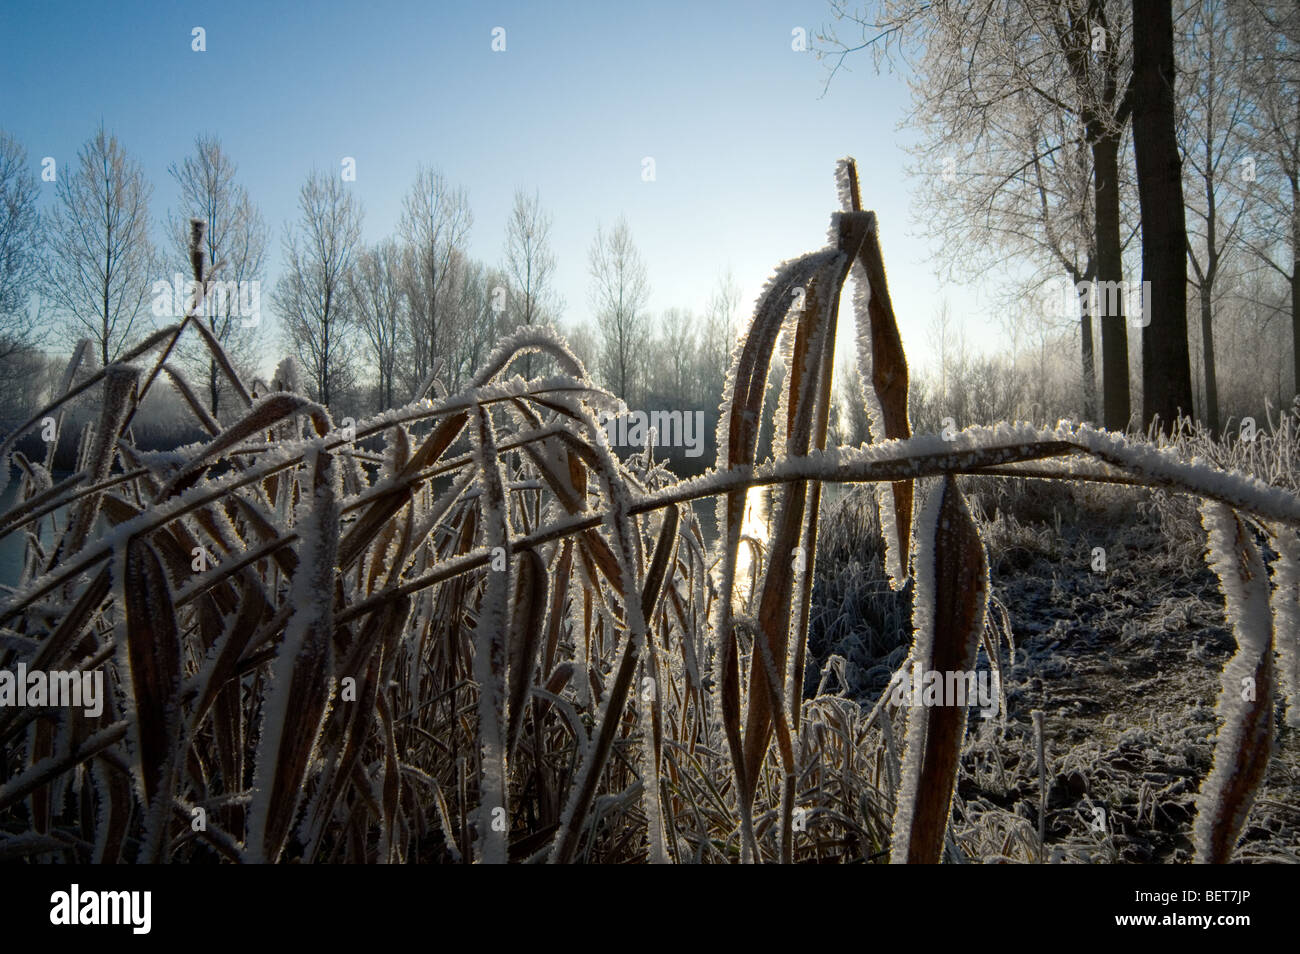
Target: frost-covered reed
point(464, 630)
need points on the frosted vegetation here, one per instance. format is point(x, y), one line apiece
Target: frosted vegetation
point(465, 630)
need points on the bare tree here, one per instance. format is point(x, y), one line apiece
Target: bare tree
point(1166, 371)
point(234, 242)
point(999, 71)
point(1068, 215)
point(717, 335)
point(27, 379)
point(1272, 37)
point(471, 310)
point(854, 425)
point(19, 248)
point(1251, 314)
point(378, 291)
point(313, 296)
point(530, 266)
point(99, 261)
point(1021, 190)
point(675, 354)
point(1213, 111)
point(619, 293)
point(949, 344)
point(485, 325)
point(435, 225)
point(1107, 103)
point(584, 344)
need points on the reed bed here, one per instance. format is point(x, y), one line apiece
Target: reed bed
point(465, 631)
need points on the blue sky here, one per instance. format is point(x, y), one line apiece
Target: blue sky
point(743, 140)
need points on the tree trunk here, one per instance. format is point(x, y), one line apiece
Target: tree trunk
point(1086, 345)
point(1295, 321)
point(1089, 369)
point(1116, 408)
point(1295, 284)
point(1166, 365)
point(1207, 351)
point(1206, 278)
